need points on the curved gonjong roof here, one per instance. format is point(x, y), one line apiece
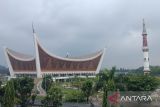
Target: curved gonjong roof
point(19, 56)
point(80, 58)
point(50, 62)
point(21, 62)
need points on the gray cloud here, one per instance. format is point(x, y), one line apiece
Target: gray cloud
point(81, 27)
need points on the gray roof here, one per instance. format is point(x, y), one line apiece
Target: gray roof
point(19, 55)
point(86, 56)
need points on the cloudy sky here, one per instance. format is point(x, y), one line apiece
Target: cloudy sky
point(81, 27)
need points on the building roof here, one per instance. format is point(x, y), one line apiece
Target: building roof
point(18, 55)
point(49, 62)
point(86, 56)
point(79, 58)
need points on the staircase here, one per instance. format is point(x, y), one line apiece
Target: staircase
point(38, 83)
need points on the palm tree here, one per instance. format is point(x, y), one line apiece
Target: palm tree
point(106, 83)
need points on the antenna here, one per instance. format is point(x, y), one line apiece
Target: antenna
point(33, 27)
point(144, 27)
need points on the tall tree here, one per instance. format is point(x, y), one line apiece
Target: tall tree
point(2, 91)
point(106, 83)
point(47, 82)
point(24, 88)
point(87, 88)
point(104, 103)
point(9, 95)
point(54, 97)
point(111, 79)
point(102, 79)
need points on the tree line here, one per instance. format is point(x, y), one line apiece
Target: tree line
point(21, 91)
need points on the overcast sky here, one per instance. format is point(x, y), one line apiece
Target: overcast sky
point(81, 27)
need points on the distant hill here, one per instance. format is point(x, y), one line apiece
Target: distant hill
point(4, 70)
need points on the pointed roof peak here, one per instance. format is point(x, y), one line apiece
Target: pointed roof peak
point(144, 28)
point(33, 27)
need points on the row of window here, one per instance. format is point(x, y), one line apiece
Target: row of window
point(26, 75)
point(55, 75)
point(145, 59)
point(66, 75)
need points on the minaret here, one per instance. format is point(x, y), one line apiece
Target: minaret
point(145, 50)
